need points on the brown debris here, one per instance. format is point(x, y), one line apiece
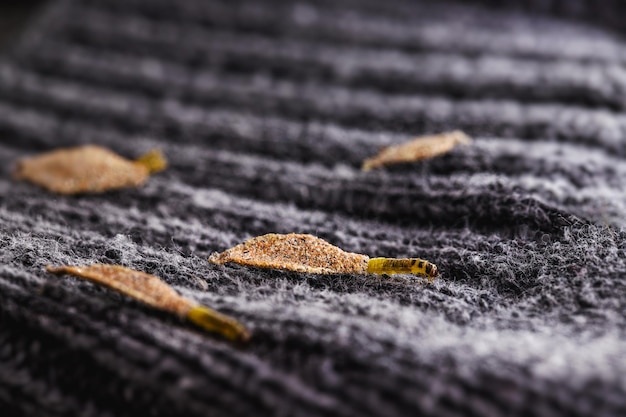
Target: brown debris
point(152, 291)
point(420, 148)
point(87, 169)
point(294, 252)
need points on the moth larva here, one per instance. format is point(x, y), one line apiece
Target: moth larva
point(390, 266)
point(152, 291)
point(420, 148)
point(87, 169)
point(310, 254)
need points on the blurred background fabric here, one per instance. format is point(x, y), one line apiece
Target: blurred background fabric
point(14, 16)
point(265, 111)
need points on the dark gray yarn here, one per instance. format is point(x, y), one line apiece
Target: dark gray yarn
point(265, 111)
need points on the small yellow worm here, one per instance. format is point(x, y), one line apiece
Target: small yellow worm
point(215, 322)
point(390, 266)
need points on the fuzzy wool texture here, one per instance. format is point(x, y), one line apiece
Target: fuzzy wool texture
point(265, 112)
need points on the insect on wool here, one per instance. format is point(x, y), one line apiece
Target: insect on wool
point(418, 149)
point(87, 169)
point(151, 291)
point(310, 254)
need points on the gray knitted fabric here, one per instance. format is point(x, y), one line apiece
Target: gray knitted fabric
point(265, 111)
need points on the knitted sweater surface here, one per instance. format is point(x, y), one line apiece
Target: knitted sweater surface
point(265, 112)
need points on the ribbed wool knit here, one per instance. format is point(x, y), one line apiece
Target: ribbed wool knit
point(266, 111)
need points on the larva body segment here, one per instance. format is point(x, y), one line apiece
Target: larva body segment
point(154, 161)
point(215, 322)
point(390, 266)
